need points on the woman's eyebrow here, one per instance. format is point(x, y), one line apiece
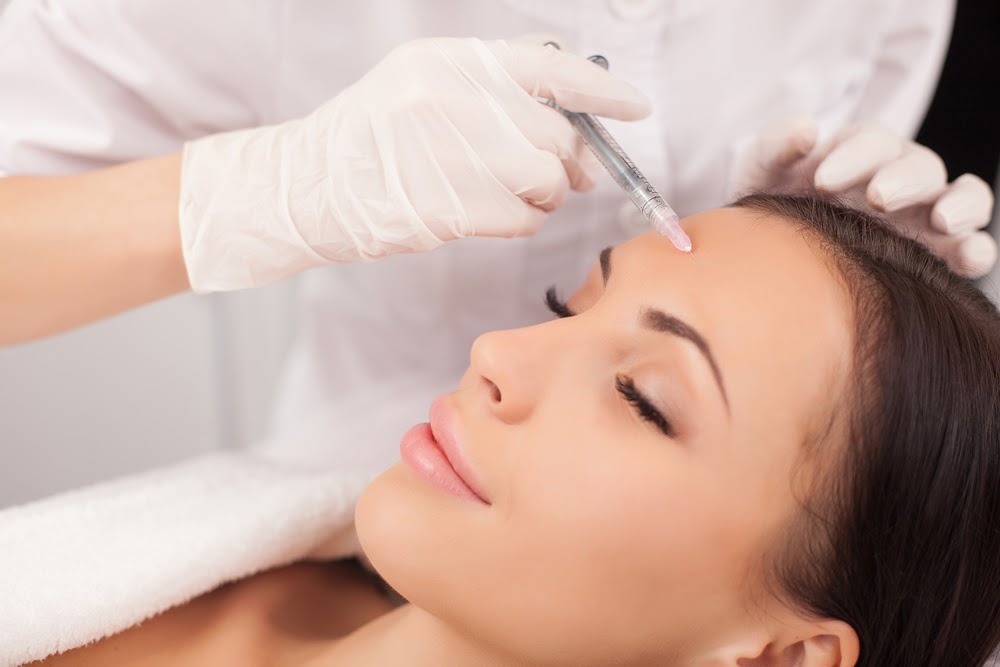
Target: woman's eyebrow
point(657, 320)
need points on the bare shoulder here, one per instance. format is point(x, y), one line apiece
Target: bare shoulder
point(267, 619)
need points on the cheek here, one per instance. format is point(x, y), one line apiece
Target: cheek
point(626, 537)
point(604, 536)
point(602, 542)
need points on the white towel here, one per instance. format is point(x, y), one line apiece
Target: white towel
point(90, 563)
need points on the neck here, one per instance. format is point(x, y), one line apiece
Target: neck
point(410, 636)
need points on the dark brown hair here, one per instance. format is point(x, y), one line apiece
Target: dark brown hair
point(901, 539)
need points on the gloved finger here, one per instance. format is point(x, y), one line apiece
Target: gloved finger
point(558, 40)
point(856, 158)
point(977, 255)
point(572, 82)
point(767, 161)
point(918, 177)
point(549, 130)
point(972, 255)
point(556, 143)
point(545, 185)
point(784, 142)
point(585, 170)
point(581, 166)
point(545, 128)
point(499, 207)
point(504, 215)
point(967, 205)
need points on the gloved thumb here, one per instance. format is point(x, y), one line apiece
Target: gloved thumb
point(572, 82)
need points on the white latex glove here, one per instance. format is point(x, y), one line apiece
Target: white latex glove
point(441, 140)
point(903, 180)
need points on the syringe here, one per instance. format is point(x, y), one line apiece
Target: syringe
point(623, 170)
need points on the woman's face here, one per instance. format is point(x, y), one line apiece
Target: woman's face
point(636, 458)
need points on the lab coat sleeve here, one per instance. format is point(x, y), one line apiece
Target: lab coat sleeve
point(908, 65)
point(89, 83)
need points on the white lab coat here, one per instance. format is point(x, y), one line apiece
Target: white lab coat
point(85, 83)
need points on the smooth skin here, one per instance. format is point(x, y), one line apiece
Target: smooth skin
point(287, 616)
point(606, 541)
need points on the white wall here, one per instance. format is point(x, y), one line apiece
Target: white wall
point(164, 382)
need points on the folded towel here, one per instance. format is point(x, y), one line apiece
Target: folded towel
point(90, 563)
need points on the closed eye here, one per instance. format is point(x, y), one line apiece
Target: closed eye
point(624, 384)
point(643, 406)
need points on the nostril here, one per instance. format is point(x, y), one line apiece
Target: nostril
point(494, 390)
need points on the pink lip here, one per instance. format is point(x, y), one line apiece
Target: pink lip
point(434, 452)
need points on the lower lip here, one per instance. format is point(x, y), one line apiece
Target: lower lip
point(421, 452)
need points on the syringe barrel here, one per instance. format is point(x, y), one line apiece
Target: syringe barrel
point(659, 213)
point(610, 154)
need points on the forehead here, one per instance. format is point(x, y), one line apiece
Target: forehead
point(770, 303)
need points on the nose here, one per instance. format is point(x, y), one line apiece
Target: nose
point(510, 370)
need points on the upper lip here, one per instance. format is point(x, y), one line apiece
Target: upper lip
point(444, 425)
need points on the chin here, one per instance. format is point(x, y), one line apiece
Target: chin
point(409, 531)
point(375, 514)
point(394, 522)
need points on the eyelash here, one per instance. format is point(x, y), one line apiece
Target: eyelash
point(557, 305)
point(624, 384)
point(626, 387)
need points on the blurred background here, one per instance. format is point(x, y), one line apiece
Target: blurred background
point(96, 403)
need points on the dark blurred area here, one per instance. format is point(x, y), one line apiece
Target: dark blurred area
point(963, 122)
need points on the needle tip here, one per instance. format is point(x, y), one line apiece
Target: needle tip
point(667, 223)
point(673, 231)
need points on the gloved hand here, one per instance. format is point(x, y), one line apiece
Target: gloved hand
point(443, 139)
point(902, 179)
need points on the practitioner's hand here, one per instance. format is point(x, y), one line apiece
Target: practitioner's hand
point(902, 179)
point(441, 140)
